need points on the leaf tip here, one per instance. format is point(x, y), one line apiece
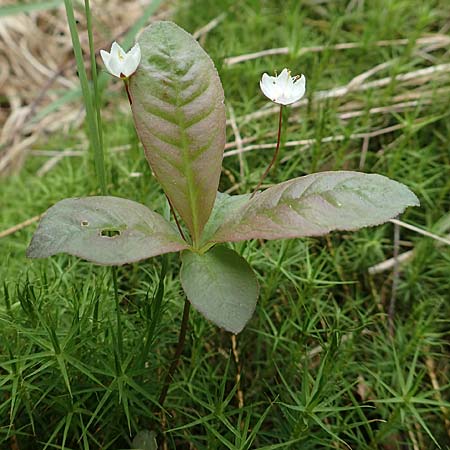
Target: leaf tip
point(410, 198)
point(36, 249)
point(29, 252)
point(414, 199)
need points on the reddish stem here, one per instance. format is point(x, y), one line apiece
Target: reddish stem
point(128, 91)
point(176, 219)
point(178, 351)
point(275, 156)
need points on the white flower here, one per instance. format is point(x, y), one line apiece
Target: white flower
point(283, 89)
point(119, 63)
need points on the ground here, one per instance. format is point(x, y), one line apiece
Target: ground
point(319, 366)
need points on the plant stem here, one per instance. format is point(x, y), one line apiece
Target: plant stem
point(96, 97)
point(127, 88)
point(275, 156)
point(172, 209)
point(178, 351)
point(90, 113)
point(119, 320)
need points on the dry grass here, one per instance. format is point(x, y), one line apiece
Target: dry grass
point(38, 68)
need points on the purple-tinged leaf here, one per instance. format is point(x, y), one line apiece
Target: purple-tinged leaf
point(221, 285)
point(105, 230)
point(178, 108)
point(315, 205)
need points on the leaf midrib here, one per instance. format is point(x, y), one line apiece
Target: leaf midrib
point(303, 196)
point(185, 153)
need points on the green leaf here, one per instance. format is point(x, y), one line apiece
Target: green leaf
point(224, 207)
point(221, 285)
point(104, 230)
point(315, 205)
point(178, 108)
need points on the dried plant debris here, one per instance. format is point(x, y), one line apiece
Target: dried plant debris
point(38, 72)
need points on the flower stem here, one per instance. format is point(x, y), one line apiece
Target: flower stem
point(178, 351)
point(172, 209)
point(127, 88)
point(275, 156)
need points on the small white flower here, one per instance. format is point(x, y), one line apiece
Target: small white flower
point(119, 63)
point(283, 89)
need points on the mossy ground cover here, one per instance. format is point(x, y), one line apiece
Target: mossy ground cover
point(317, 366)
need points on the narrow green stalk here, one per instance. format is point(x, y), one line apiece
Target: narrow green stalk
point(90, 113)
point(97, 99)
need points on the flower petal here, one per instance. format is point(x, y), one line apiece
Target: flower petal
point(267, 85)
point(283, 99)
point(135, 51)
point(105, 57)
point(283, 89)
point(120, 63)
point(115, 66)
point(283, 79)
point(108, 61)
point(132, 60)
point(299, 88)
point(117, 51)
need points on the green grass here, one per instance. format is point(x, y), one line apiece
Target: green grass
point(318, 367)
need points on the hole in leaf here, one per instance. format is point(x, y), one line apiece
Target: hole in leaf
point(84, 223)
point(108, 232)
